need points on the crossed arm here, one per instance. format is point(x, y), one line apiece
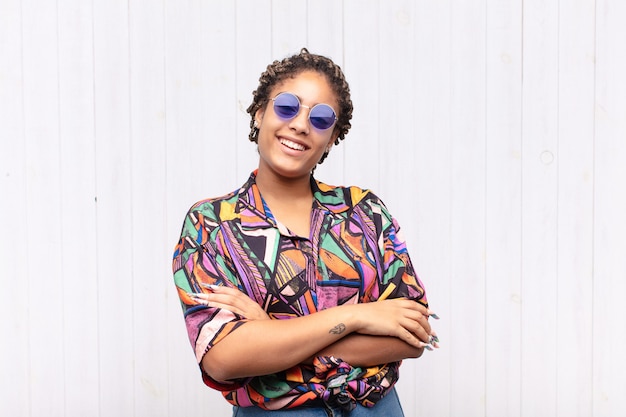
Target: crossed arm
point(361, 334)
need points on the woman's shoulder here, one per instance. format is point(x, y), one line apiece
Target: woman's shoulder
point(350, 195)
point(215, 207)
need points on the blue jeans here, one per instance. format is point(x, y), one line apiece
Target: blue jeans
point(389, 406)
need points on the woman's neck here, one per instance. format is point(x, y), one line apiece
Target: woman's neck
point(273, 187)
point(290, 201)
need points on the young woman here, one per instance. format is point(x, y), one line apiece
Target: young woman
point(299, 297)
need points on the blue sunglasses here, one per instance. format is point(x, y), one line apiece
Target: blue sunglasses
point(287, 106)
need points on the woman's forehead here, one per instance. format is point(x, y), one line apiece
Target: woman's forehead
point(308, 85)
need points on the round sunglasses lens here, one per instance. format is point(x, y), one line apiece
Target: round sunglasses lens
point(322, 116)
point(286, 105)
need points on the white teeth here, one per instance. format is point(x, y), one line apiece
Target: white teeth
point(293, 145)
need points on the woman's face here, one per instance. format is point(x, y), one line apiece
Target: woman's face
point(291, 148)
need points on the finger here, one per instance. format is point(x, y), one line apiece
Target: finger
point(417, 323)
point(239, 303)
point(249, 312)
point(212, 287)
point(198, 297)
point(410, 338)
point(434, 340)
point(432, 314)
point(427, 312)
point(427, 346)
point(419, 332)
point(232, 296)
point(221, 289)
point(423, 321)
point(228, 303)
point(227, 307)
point(236, 300)
point(209, 301)
point(416, 307)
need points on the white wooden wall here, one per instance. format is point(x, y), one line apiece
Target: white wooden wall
point(494, 130)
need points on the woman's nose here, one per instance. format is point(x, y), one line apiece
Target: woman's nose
point(300, 122)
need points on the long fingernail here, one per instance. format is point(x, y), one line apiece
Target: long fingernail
point(198, 299)
point(427, 346)
point(210, 286)
point(434, 339)
point(195, 294)
point(433, 315)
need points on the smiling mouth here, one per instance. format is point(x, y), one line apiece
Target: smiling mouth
point(292, 145)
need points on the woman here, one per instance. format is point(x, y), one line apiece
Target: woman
point(300, 297)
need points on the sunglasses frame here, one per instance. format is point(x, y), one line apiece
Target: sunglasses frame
point(300, 105)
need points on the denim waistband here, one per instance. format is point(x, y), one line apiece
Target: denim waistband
point(389, 406)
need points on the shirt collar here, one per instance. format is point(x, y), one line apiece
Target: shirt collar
point(252, 213)
point(250, 206)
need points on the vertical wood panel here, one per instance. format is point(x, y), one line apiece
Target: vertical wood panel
point(503, 209)
point(361, 59)
point(539, 207)
point(575, 208)
point(78, 207)
point(219, 86)
point(467, 112)
point(114, 211)
point(14, 296)
point(609, 240)
point(253, 54)
point(431, 240)
point(289, 27)
point(396, 151)
point(200, 105)
point(147, 176)
point(218, 70)
point(41, 121)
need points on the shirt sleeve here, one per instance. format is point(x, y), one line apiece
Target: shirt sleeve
point(198, 262)
point(399, 278)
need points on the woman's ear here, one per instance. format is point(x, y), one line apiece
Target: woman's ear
point(258, 117)
point(333, 139)
point(329, 146)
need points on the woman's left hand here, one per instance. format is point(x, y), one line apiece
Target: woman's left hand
point(231, 299)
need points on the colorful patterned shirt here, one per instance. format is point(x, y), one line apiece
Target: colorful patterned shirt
point(355, 254)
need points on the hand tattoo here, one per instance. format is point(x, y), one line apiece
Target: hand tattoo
point(338, 329)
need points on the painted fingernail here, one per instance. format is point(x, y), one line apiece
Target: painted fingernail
point(434, 339)
point(427, 346)
point(210, 286)
point(195, 294)
point(433, 315)
point(198, 299)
